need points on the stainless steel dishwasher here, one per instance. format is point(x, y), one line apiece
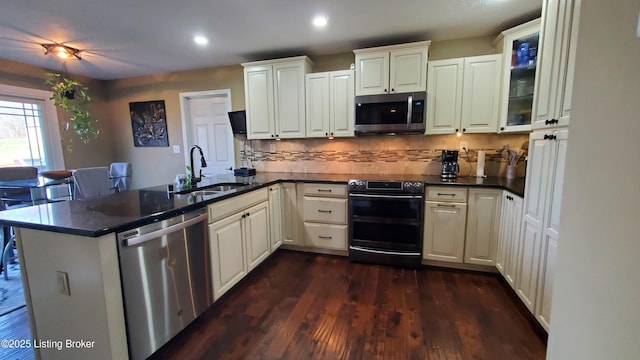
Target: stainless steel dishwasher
point(164, 268)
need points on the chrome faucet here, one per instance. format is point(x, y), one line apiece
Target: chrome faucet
point(195, 180)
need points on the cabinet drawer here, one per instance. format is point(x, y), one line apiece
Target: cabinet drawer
point(325, 190)
point(447, 193)
point(325, 210)
point(326, 236)
point(226, 207)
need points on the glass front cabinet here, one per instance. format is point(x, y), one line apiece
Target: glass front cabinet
point(519, 46)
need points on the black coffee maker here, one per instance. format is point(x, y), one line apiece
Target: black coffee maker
point(450, 166)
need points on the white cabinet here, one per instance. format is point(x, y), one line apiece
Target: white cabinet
point(519, 46)
point(392, 69)
point(325, 216)
point(553, 88)
point(275, 216)
point(275, 98)
point(509, 238)
point(445, 215)
point(329, 104)
point(239, 238)
point(463, 95)
point(291, 220)
point(536, 255)
point(483, 222)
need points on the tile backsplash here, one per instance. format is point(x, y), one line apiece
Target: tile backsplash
point(382, 154)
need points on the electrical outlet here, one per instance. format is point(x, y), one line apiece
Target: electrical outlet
point(464, 145)
point(176, 149)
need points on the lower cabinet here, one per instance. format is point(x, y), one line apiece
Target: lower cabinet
point(275, 216)
point(509, 239)
point(445, 217)
point(325, 216)
point(291, 219)
point(483, 226)
point(239, 238)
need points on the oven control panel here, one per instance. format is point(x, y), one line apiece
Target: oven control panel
point(389, 187)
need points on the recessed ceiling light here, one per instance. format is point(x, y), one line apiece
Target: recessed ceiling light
point(320, 21)
point(200, 40)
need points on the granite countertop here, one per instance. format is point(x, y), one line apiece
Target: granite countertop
point(129, 209)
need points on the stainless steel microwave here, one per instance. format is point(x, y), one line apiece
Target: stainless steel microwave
point(390, 113)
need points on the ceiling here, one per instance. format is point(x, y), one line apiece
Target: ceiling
point(126, 38)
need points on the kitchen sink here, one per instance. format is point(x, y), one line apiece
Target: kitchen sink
point(213, 189)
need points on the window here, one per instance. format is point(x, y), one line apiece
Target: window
point(29, 133)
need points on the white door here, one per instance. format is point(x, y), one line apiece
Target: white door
point(206, 124)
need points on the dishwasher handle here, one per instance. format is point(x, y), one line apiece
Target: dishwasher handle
point(136, 240)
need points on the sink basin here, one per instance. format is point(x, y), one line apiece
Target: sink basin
point(213, 189)
point(204, 192)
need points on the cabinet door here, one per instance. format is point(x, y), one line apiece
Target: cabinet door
point(444, 89)
point(372, 73)
point(226, 244)
point(444, 228)
point(550, 231)
point(326, 236)
point(528, 257)
point(258, 94)
point(258, 244)
point(275, 216)
point(511, 266)
point(341, 103)
point(538, 167)
point(556, 62)
point(318, 107)
point(480, 95)
point(290, 217)
point(408, 70)
point(289, 98)
point(483, 221)
point(504, 239)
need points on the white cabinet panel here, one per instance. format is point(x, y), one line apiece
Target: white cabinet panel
point(226, 245)
point(330, 109)
point(483, 221)
point(291, 220)
point(257, 240)
point(317, 98)
point(275, 216)
point(444, 91)
point(408, 70)
point(444, 231)
point(372, 73)
point(258, 93)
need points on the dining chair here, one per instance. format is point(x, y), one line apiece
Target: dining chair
point(18, 196)
point(120, 175)
point(91, 182)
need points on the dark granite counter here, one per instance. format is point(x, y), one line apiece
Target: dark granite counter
point(129, 209)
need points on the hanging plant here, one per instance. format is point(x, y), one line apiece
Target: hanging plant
point(73, 97)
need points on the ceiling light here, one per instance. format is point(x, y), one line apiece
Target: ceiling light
point(320, 21)
point(62, 51)
point(200, 40)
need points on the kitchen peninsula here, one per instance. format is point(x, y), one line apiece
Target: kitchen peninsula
point(69, 252)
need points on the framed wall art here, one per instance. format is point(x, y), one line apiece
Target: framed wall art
point(149, 123)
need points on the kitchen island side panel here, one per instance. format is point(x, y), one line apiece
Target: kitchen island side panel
point(92, 311)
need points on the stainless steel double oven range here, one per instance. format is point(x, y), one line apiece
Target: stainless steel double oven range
point(386, 222)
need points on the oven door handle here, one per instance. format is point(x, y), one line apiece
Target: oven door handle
point(357, 248)
point(387, 196)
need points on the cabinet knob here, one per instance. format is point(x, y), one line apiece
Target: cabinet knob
point(331, 134)
point(457, 130)
point(393, 90)
point(248, 214)
point(326, 134)
point(463, 130)
point(546, 122)
point(554, 121)
point(271, 135)
point(502, 128)
point(385, 90)
point(244, 215)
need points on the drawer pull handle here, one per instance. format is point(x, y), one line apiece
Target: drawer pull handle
point(325, 237)
point(324, 190)
point(448, 206)
point(325, 211)
point(446, 194)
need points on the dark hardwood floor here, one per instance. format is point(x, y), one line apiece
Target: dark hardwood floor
point(305, 306)
point(298, 305)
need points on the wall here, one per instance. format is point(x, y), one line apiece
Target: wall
point(98, 152)
point(462, 47)
point(380, 154)
point(595, 311)
point(159, 165)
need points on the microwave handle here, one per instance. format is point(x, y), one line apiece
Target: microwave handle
point(409, 109)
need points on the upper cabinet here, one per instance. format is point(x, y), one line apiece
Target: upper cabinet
point(392, 69)
point(274, 93)
point(556, 62)
point(520, 47)
point(463, 95)
point(330, 107)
